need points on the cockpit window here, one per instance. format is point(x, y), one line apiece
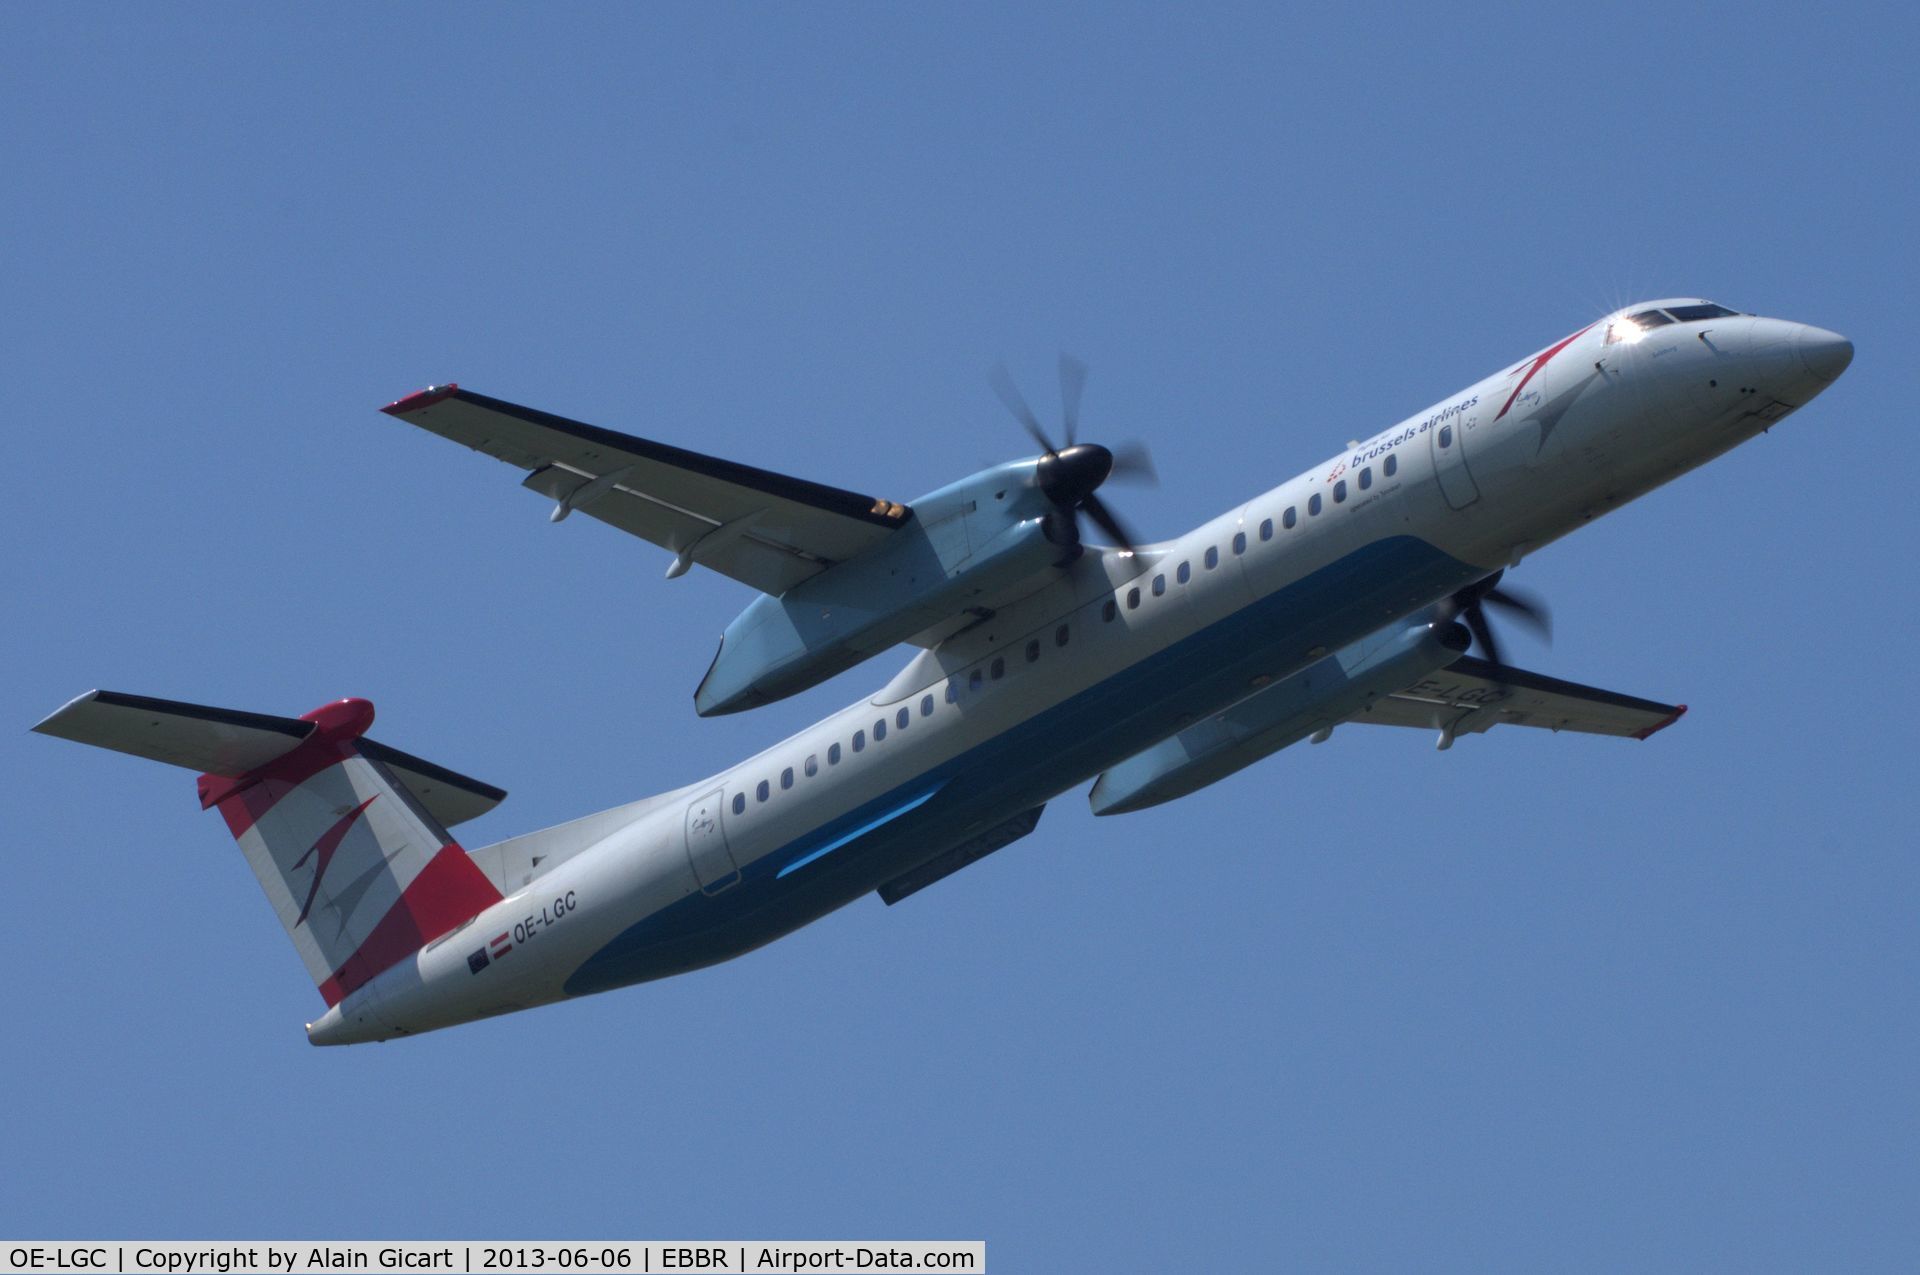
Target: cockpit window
point(1634, 326)
point(1694, 313)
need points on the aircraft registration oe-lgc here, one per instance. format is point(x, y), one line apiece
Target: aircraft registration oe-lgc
point(1350, 593)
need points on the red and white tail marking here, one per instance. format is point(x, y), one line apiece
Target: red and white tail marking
point(361, 875)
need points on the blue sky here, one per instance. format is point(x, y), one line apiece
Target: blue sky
point(1536, 1002)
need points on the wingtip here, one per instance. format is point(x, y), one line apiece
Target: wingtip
point(421, 398)
point(1657, 727)
point(41, 726)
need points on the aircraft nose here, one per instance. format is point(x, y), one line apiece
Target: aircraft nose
point(1825, 354)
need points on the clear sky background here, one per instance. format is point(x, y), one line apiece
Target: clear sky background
point(1539, 1002)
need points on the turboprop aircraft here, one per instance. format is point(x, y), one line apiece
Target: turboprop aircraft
point(1350, 593)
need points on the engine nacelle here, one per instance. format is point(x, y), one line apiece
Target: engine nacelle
point(973, 545)
point(1314, 699)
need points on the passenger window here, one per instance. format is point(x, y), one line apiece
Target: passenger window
point(859, 740)
point(760, 793)
point(1184, 574)
point(1446, 435)
point(1239, 542)
point(1133, 597)
point(902, 717)
point(999, 668)
point(1366, 478)
point(813, 765)
point(1060, 635)
point(1033, 650)
point(1213, 557)
point(1390, 464)
point(953, 690)
point(879, 730)
point(1159, 585)
point(786, 779)
point(975, 680)
point(1109, 609)
point(1313, 503)
point(1288, 518)
point(1266, 524)
point(833, 754)
point(739, 803)
point(1340, 491)
point(926, 706)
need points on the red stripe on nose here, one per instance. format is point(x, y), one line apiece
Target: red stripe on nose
point(1539, 361)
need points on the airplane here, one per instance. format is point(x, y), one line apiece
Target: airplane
point(1349, 594)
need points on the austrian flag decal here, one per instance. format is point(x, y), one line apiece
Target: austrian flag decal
point(492, 952)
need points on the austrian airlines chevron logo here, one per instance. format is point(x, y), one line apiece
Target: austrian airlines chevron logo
point(1534, 365)
point(329, 842)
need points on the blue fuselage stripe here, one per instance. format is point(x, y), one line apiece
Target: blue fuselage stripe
point(1030, 762)
point(858, 832)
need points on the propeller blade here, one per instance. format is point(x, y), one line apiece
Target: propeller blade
point(1525, 608)
point(1009, 393)
point(1073, 379)
point(1133, 463)
point(1103, 518)
point(1483, 634)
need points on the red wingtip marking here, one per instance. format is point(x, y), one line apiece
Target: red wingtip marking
point(1657, 727)
point(421, 398)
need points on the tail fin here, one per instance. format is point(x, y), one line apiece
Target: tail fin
point(347, 836)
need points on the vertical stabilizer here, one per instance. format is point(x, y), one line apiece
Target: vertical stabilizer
point(360, 871)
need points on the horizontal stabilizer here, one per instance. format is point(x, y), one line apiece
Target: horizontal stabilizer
point(229, 742)
point(219, 741)
point(448, 795)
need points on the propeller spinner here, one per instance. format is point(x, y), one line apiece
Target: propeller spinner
point(1070, 475)
point(1469, 607)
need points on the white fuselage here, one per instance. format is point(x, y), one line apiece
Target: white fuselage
point(1121, 650)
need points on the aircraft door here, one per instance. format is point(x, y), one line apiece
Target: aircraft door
point(1448, 442)
point(707, 852)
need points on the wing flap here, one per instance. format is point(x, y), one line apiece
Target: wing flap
point(765, 529)
point(1471, 696)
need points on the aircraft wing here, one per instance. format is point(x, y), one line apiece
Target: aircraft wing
point(764, 529)
point(1471, 696)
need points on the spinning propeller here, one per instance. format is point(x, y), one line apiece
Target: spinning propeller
point(1068, 476)
point(1469, 607)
